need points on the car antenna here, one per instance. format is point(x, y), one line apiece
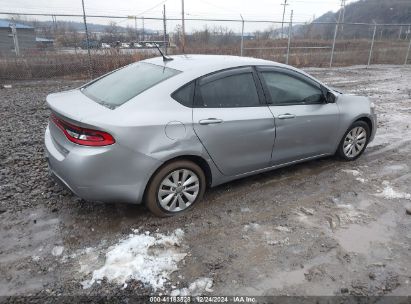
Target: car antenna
point(165, 58)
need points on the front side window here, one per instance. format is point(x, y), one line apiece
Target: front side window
point(237, 90)
point(285, 89)
point(120, 86)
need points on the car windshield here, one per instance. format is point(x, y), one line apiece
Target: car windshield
point(120, 86)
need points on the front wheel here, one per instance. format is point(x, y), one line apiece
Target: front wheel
point(175, 188)
point(354, 141)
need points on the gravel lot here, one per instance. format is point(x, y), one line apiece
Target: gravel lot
point(324, 227)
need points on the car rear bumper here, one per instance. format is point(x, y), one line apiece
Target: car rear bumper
point(103, 174)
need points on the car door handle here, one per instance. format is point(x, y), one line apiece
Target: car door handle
point(210, 121)
point(286, 116)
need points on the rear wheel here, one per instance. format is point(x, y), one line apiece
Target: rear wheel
point(175, 188)
point(354, 141)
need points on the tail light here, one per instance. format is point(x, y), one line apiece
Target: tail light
point(83, 136)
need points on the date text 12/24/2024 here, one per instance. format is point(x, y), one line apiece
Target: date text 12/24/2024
point(202, 299)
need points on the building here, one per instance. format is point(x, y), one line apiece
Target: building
point(26, 37)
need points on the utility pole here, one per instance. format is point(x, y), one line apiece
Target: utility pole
point(135, 27)
point(90, 71)
point(290, 32)
point(343, 16)
point(242, 36)
point(183, 27)
point(282, 23)
point(333, 47)
point(165, 29)
point(15, 39)
point(340, 12)
point(144, 35)
point(54, 18)
point(372, 44)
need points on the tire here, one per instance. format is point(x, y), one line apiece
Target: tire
point(354, 141)
point(175, 197)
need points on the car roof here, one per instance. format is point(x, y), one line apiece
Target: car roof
point(208, 63)
point(194, 66)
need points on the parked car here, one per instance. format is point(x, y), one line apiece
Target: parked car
point(125, 45)
point(92, 44)
point(105, 46)
point(161, 131)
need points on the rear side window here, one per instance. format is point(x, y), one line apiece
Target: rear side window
point(238, 90)
point(185, 95)
point(120, 86)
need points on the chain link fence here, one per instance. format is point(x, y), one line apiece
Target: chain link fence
point(39, 49)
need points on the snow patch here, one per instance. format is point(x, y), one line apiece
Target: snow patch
point(196, 288)
point(353, 172)
point(57, 250)
point(282, 229)
point(251, 226)
point(282, 242)
point(143, 257)
point(390, 193)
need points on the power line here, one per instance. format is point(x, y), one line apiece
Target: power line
point(194, 19)
point(150, 9)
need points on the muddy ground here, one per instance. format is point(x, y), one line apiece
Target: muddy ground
point(325, 227)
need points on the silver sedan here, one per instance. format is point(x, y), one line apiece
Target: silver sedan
point(162, 130)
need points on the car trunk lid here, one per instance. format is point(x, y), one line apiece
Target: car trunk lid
point(74, 108)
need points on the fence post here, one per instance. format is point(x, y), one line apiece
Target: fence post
point(15, 39)
point(290, 27)
point(333, 47)
point(372, 44)
point(165, 29)
point(242, 36)
point(408, 52)
point(90, 65)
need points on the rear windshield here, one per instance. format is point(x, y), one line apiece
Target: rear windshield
point(120, 86)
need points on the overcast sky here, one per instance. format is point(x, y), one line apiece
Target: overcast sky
point(304, 10)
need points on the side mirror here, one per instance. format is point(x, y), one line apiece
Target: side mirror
point(328, 95)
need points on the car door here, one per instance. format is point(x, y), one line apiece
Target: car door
point(232, 120)
point(306, 125)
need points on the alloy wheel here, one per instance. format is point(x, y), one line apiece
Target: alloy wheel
point(354, 142)
point(178, 190)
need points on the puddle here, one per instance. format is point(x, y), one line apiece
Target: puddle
point(289, 278)
point(394, 169)
point(360, 239)
point(27, 239)
point(34, 236)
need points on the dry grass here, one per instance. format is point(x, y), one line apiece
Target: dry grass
point(75, 66)
point(53, 64)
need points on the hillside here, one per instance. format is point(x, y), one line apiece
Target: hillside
point(363, 11)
